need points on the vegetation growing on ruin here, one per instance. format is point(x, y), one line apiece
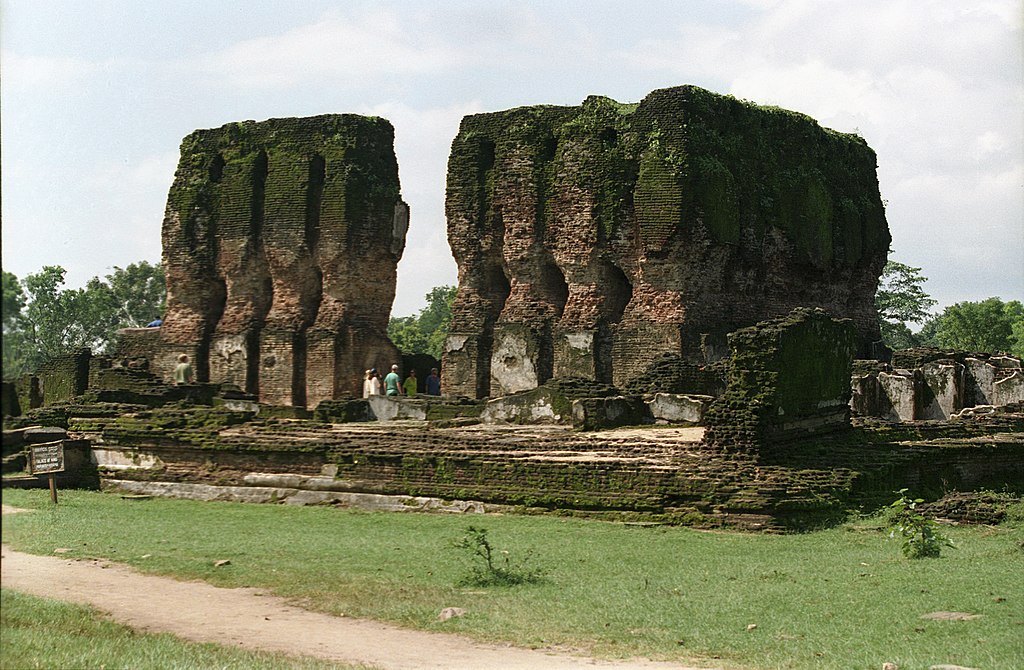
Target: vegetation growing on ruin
point(920, 536)
point(839, 598)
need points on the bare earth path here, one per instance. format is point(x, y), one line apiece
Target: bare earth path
point(200, 612)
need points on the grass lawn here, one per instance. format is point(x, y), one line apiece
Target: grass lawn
point(840, 598)
point(42, 633)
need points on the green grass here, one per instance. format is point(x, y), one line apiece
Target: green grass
point(43, 633)
point(840, 598)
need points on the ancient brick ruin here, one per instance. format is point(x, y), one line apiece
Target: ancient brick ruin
point(691, 261)
point(280, 245)
point(932, 384)
point(591, 240)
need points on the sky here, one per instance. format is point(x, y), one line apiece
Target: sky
point(96, 96)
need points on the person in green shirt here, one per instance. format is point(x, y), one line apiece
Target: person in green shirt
point(183, 371)
point(393, 383)
point(410, 384)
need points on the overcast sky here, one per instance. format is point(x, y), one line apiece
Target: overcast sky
point(96, 97)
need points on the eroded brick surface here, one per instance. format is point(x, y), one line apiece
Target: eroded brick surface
point(594, 240)
point(280, 245)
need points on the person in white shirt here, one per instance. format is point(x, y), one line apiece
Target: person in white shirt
point(371, 384)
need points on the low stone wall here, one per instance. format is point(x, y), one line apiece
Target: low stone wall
point(659, 474)
point(79, 469)
point(660, 408)
point(931, 384)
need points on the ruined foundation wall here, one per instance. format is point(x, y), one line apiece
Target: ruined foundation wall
point(929, 384)
point(593, 240)
point(788, 379)
point(280, 245)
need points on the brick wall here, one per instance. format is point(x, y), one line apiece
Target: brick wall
point(660, 226)
point(281, 241)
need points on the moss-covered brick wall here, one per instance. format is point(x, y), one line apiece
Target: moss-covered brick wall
point(9, 400)
point(280, 244)
point(655, 474)
point(787, 378)
point(63, 377)
point(612, 234)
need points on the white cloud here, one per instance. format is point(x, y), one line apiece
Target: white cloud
point(127, 200)
point(337, 48)
point(935, 88)
point(42, 72)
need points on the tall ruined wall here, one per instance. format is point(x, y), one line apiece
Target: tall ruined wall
point(593, 240)
point(281, 241)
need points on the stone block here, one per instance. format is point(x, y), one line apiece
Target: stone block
point(979, 377)
point(788, 378)
point(677, 408)
point(611, 412)
point(517, 360)
point(384, 408)
point(1009, 389)
point(943, 389)
point(281, 241)
point(234, 359)
point(900, 390)
point(665, 224)
point(539, 405)
point(281, 377)
point(867, 397)
point(578, 353)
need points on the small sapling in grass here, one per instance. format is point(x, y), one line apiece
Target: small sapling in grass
point(491, 566)
point(921, 535)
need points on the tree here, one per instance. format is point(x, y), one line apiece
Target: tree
point(405, 333)
point(42, 319)
point(14, 300)
point(900, 298)
point(991, 326)
point(14, 350)
point(57, 320)
point(130, 298)
point(426, 332)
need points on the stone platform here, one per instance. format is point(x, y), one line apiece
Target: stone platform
point(664, 474)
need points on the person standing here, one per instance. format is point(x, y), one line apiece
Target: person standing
point(183, 371)
point(371, 384)
point(393, 383)
point(433, 383)
point(410, 384)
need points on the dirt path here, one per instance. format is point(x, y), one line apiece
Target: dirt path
point(246, 618)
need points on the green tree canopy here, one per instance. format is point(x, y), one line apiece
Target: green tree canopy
point(426, 332)
point(990, 325)
point(42, 319)
point(14, 300)
point(901, 298)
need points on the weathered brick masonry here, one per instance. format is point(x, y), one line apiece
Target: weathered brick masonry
point(617, 474)
point(592, 240)
point(280, 245)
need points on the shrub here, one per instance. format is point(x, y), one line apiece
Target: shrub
point(493, 567)
point(921, 535)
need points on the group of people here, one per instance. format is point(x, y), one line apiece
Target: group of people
point(393, 386)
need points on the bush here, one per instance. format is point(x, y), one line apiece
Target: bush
point(921, 535)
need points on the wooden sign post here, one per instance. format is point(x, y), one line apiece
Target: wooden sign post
point(48, 459)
